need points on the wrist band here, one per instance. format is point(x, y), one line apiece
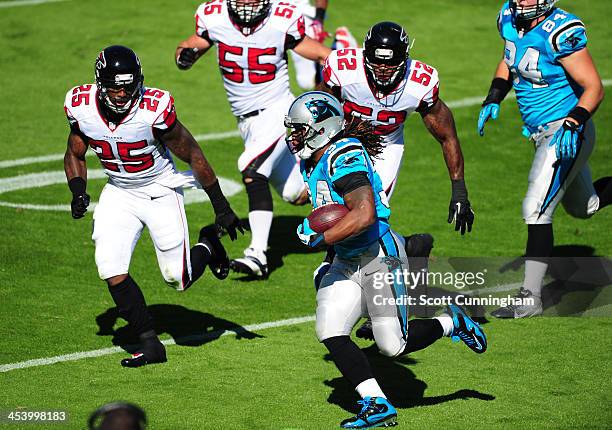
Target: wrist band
point(580, 114)
point(498, 91)
point(77, 185)
point(320, 14)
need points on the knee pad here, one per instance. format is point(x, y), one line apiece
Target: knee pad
point(531, 212)
point(390, 347)
point(258, 190)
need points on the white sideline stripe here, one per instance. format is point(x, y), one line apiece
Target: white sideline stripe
point(212, 335)
point(17, 3)
point(107, 351)
point(469, 101)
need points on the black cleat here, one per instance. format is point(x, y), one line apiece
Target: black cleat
point(365, 331)
point(219, 263)
point(152, 352)
point(419, 245)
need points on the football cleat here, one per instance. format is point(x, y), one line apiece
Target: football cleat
point(467, 330)
point(524, 310)
point(365, 331)
point(152, 352)
point(375, 412)
point(219, 263)
point(254, 263)
point(344, 39)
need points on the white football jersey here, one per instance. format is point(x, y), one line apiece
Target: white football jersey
point(418, 91)
point(308, 9)
point(253, 67)
point(129, 152)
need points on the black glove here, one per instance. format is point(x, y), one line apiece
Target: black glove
point(186, 58)
point(80, 199)
point(460, 211)
point(225, 216)
point(79, 205)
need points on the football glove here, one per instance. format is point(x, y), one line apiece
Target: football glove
point(186, 58)
point(308, 236)
point(319, 34)
point(78, 205)
point(225, 218)
point(490, 110)
point(566, 139)
point(460, 211)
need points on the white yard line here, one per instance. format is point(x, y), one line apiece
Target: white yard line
point(17, 3)
point(212, 335)
point(465, 102)
point(114, 350)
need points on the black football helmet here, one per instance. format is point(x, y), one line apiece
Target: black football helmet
point(385, 51)
point(247, 14)
point(117, 68)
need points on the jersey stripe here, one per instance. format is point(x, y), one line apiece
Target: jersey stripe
point(554, 38)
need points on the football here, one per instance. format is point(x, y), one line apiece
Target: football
point(325, 217)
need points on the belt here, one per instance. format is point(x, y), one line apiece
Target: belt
point(250, 114)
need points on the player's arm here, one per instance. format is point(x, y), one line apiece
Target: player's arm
point(312, 50)
point(360, 202)
point(75, 167)
point(500, 86)
point(190, 50)
point(582, 70)
point(440, 123)
point(182, 144)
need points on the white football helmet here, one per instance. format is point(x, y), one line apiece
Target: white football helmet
point(526, 13)
point(313, 120)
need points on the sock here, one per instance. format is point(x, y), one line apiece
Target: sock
point(260, 222)
point(540, 240)
point(349, 359)
point(535, 271)
point(370, 388)
point(603, 188)
point(131, 305)
point(422, 333)
point(446, 322)
point(200, 255)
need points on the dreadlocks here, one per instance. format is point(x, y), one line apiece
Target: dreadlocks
point(365, 133)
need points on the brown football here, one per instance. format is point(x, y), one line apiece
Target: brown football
point(325, 217)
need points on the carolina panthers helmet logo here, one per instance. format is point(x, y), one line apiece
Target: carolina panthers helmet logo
point(321, 110)
point(571, 41)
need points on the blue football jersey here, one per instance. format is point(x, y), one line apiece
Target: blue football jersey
point(543, 90)
point(340, 159)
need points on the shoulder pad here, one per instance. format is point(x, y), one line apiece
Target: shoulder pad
point(78, 101)
point(157, 108)
point(569, 34)
point(209, 15)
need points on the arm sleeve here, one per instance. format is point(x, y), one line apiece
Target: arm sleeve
point(570, 37)
point(295, 33)
point(329, 75)
point(351, 182)
point(346, 160)
point(166, 120)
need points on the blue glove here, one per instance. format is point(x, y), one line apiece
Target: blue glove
point(308, 236)
point(490, 110)
point(566, 140)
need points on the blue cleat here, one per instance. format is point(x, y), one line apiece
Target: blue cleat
point(467, 330)
point(376, 412)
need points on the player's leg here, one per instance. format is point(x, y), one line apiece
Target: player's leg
point(549, 179)
point(339, 307)
point(393, 333)
point(115, 233)
point(180, 266)
point(264, 147)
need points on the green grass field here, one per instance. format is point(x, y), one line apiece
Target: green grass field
point(542, 373)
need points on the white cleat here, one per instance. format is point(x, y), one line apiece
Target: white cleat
point(254, 263)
